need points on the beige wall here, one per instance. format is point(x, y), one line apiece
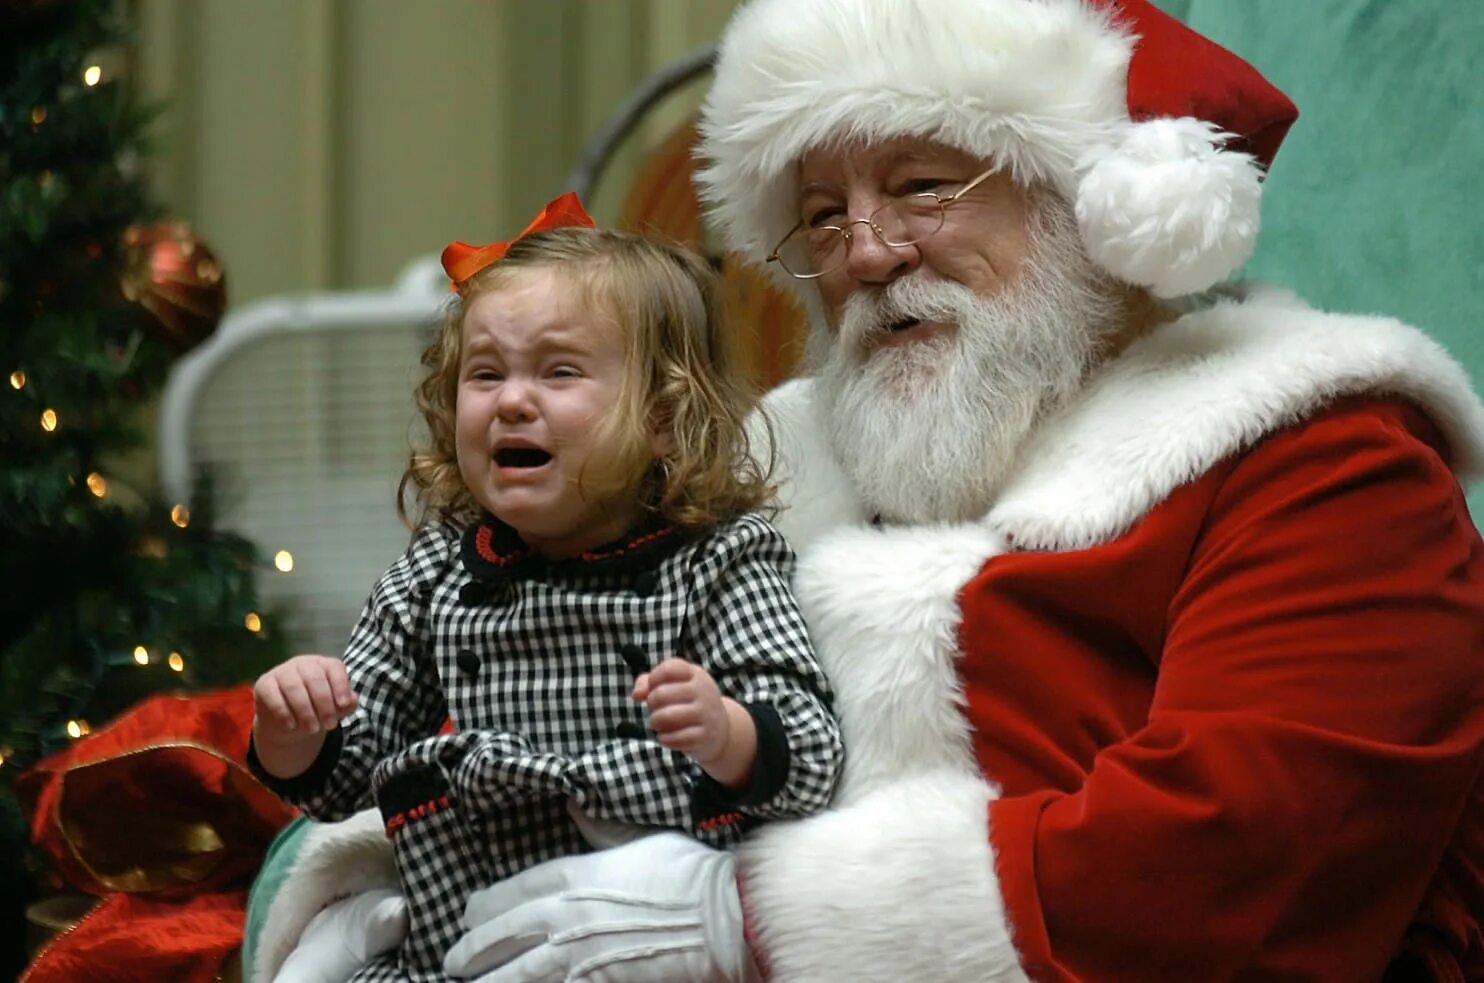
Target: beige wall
point(320, 144)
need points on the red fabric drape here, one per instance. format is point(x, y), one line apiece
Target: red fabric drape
point(157, 814)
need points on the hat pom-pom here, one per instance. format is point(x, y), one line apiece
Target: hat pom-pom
point(1167, 208)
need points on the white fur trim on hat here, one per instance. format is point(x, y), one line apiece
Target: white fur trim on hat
point(1037, 86)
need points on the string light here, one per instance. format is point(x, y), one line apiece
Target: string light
point(181, 516)
point(48, 420)
point(97, 484)
point(141, 655)
point(18, 379)
point(38, 115)
point(253, 622)
point(78, 728)
point(92, 75)
point(5, 752)
point(284, 561)
point(176, 662)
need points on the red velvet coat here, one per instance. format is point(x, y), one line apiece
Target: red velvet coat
point(1202, 697)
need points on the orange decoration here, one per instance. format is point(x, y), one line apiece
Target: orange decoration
point(461, 260)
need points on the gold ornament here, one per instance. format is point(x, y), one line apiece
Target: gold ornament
point(175, 277)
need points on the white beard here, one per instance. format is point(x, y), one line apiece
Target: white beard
point(928, 430)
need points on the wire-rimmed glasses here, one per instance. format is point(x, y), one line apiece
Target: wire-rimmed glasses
point(808, 252)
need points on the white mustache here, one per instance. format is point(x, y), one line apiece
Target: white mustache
point(867, 315)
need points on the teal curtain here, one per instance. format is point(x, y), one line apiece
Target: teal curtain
point(1375, 201)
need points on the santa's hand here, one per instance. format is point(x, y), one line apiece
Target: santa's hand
point(344, 936)
point(661, 908)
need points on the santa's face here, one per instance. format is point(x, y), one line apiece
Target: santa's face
point(981, 244)
point(937, 360)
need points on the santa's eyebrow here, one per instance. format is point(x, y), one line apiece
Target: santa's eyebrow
point(895, 159)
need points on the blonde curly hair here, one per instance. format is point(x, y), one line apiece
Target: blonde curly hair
point(681, 378)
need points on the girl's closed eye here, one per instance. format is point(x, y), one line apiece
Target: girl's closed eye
point(565, 372)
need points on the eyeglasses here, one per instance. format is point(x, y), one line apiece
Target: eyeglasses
point(811, 251)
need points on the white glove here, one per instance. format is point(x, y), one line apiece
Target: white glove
point(663, 907)
point(344, 936)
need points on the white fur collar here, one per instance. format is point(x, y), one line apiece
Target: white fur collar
point(1175, 403)
point(882, 608)
point(334, 860)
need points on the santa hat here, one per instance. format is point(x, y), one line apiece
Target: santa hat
point(1159, 137)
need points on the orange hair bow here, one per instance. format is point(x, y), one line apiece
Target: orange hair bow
point(462, 260)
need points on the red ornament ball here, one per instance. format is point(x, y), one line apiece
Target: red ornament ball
point(177, 280)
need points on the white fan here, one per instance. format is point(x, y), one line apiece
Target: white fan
point(301, 410)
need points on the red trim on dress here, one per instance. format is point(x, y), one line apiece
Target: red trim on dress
point(725, 819)
point(396, 821)
point(483, 542)
point(632, 545)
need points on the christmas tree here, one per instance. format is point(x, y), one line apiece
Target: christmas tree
point(108, 594)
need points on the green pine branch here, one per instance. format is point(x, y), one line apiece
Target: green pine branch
point(93, 571)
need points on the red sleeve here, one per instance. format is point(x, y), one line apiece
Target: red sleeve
point(1314, 735)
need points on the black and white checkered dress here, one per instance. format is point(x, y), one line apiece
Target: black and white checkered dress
point(533, 662)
